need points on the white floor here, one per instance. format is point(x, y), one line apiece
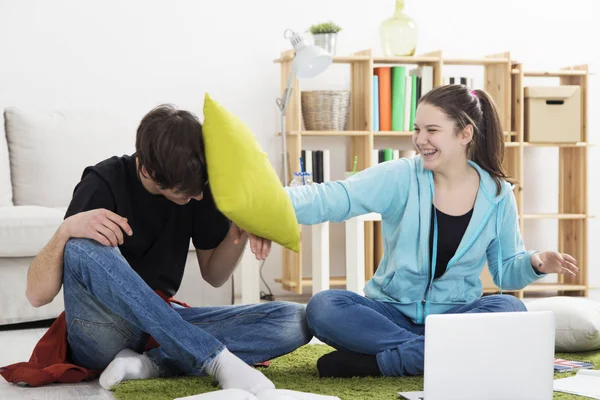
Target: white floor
point(16, 346)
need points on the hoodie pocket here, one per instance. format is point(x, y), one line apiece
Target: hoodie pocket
point(448, 291)
point(406, 286)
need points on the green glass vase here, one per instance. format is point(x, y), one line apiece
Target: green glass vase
point(399, 33)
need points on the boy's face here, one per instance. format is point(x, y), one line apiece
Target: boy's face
point(176, 196)
point(173, 195)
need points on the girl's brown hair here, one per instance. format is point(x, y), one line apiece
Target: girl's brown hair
point(476, 108)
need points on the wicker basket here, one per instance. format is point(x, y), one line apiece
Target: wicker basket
point(326, 110)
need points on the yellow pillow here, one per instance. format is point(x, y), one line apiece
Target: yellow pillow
point(244, 184)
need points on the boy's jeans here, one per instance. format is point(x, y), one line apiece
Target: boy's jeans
point(109, 307)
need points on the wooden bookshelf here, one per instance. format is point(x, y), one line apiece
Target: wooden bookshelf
point(504, 80)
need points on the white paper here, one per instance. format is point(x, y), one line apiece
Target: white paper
point(272, 394)
point(585, 383)
point(412, 395)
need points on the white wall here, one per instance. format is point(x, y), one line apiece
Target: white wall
point(131, 55)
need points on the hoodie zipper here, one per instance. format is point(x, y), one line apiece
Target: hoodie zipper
point(433, 261)
point(430, 272)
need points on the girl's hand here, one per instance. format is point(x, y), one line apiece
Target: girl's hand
point(549, 262)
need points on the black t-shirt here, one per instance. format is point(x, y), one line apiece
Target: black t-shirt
point(450, 232)
point(158, 248)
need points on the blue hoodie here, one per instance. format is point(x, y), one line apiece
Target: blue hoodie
point(402, 192)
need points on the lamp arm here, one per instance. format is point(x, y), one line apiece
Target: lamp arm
point(282, 102)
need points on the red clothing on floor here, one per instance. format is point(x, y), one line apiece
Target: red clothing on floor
point(49, 362)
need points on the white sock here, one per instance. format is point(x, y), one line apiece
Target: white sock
point(232, 373)
point(127, 365)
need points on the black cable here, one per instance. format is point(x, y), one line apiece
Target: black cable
point(263, 295)
point(232, 291)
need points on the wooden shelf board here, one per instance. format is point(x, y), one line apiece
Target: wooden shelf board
point(328, 133)
point(335, 133)
point(475, 61)
point(541, 287)
point(336, 59)
point(494, 289)
point(333, 281)
point(534, 287)
point(511, 144)
point(350, 59)
point(393, 133)
point(555, 144)
point(554, 216)
point(405, 60)
point(515, 71)
point(553, 74)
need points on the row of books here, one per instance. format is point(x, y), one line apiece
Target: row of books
point(317, 162)
point(460, 80)
point(396, 92)
point(383, 155)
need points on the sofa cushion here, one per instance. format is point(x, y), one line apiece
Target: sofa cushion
point(49, 150)
point(5, 185)
point(577, 322)
point(25, 230)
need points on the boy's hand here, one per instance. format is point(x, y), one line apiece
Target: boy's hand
point(102, 225)
point(260, 247)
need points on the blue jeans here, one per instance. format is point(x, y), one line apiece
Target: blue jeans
point(109, 307)
point(348, 321)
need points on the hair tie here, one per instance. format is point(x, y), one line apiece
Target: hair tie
point(474, 93)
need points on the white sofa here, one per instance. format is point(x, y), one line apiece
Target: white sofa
point(42, 156)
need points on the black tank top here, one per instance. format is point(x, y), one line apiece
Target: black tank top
point(451, 229)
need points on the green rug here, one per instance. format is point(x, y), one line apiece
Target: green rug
point(297, 371)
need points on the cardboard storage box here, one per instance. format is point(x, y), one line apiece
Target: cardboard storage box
point(553, 114)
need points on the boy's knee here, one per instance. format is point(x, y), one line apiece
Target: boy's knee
point(297, 326)
point(79, 252)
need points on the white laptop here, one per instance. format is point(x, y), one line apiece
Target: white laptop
point(488, 356)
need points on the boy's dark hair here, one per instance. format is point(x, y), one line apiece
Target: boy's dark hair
point(169, 145)
point(476, 108)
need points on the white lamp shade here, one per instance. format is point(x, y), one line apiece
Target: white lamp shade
point(311, 61)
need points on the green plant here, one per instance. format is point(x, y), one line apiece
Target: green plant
point(325, 27)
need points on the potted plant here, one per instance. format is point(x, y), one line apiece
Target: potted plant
point(325, 35)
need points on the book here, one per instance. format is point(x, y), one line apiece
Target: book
point(375, 115)
point(407, 104)
point(413, 102)
point(271, 394)
point(317, 163)
point(326, 168)
point(398, 97)
point(385, 97)
point(585, 383)
point(562, 365)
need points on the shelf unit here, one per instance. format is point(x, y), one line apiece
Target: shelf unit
point(503, 79)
